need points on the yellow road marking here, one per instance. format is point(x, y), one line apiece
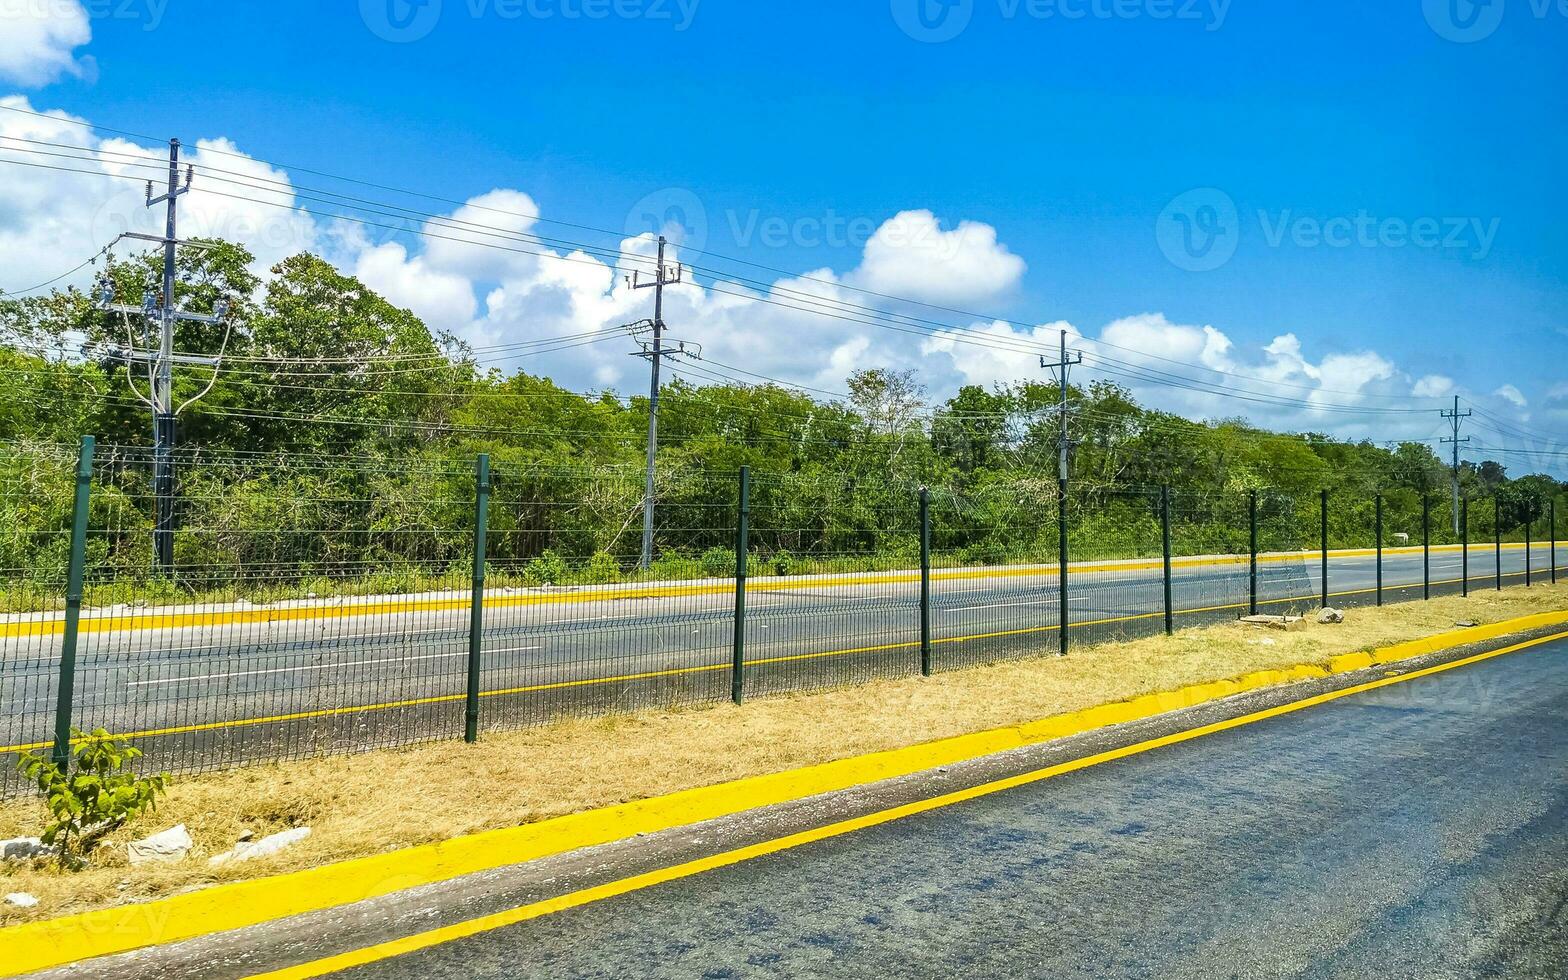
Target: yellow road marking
point(706, 668)
point(499, 920)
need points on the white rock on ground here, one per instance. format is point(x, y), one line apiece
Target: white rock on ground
point(1330, 616)
point(21, 900)
point(166, 847)
point(250, 850)
point(24, 849)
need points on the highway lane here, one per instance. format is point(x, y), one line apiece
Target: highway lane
point(797, 638)
point(1413, 831)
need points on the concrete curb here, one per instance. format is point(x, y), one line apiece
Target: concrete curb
point(40, 945)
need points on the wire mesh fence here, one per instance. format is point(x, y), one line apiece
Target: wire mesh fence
point(826, 607)
point(300, 615)
point(35, 545)
point(1212, 579)
point(318, 605)
point(574, 624)
point(995, 589)
point(1115, 549)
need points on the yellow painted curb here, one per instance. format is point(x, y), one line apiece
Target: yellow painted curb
point(1345, 663)
point(40, 945)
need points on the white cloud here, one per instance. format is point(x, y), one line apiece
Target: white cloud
point(988, 363)
point(492, 222)
point(1349, 375)
point(38, 40)
point(910, 255)
point(51, 220)
point(1433, 386)
point(1152, 335)
point(443, 300)
point(1513, 396)
point(1279, 384)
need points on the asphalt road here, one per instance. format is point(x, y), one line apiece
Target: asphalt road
point(668, 650)
point(1415, 831)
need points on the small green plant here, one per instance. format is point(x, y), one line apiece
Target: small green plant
point(548, 569)
point(673, 566)
point(602, 569)
point(92, 795)
point(718, 563)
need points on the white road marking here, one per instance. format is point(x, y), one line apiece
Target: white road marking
point(359, 636)
point(290, 670)
point(563, 622)
point(1008, 605)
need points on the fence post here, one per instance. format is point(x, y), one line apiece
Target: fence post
point(1464, 545)
point(1323, 528)
point(1497, 530)
point(1426, 545)
point(1377, 532)
point(1061, 566)
point(1165, 548)
point(925, 582)
point(1529, 521)
point(65, 693)
point(742, 549)
point(1252, 550)
point(476, 606)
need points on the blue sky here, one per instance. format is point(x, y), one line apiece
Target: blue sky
point(1069, 136)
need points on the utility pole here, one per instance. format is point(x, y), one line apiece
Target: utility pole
point(161, 307)
point(655, 352)
point(1456, 417)
point(1064, 365)
point(163, 387)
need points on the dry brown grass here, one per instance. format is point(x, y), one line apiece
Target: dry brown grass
point(376, 802)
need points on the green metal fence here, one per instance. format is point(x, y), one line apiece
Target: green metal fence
point(323, 605)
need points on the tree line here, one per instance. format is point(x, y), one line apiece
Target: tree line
point(337, 441)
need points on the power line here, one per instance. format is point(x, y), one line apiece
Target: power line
point(871, 317)
point(1273, 383)
point(20, 293)
point(813, 305)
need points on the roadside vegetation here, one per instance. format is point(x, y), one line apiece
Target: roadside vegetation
point(334, 455)
point(90, 795)
point(444, 790)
